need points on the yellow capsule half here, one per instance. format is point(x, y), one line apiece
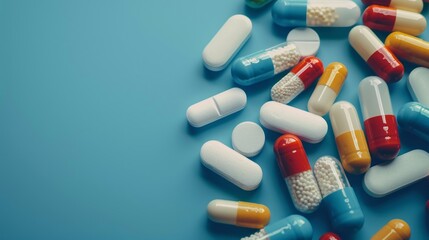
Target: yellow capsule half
point(409, 48)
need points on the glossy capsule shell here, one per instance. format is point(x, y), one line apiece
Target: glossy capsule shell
point(315, 13)
point(408, 5)
point(350, 138)
point(296, 171)
point(379, 121)
point(264, 64)
point(257, 3)
point(329, 236)
point(327, 89)
point(242, 214)
point(390, 19)
point(339, 197)
point(297, 80)
point(414, 118)
point(373, 52)
point(409, 48)
point(418, 85)
point(395, 229)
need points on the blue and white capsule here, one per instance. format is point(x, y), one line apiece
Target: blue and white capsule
point(265, 64)
point(315, 13)
point(414, 118)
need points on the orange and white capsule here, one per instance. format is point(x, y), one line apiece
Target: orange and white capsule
point(242, 214)
point(395, 229)
point(391, 19)
point(327, 89)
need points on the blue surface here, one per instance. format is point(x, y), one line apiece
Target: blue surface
point(94, 143)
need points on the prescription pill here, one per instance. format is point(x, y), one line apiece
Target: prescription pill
point(329, 236)
point(408, 5)
point(227, 42)
point(216, 107)
point(414, 118)
point(418, 85)
point(231, 165)
point(242, 214)
point(306, 39)
point(379, 121)
point(296, 171)
point(338, 196)
point(294, 227)
point(248, 138)
point(257, 3)
point(391, 19)
point(408, 168)
point(297, 80)
point(327, 89)
point(373, 52)
point(287, 119)
point(395, 229)
point(349, 137)
point(315, 13)
point(409, 48)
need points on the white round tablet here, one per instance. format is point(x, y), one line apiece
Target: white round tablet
point(306, 39)
point(248, 138)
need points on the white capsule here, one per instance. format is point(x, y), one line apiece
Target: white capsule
point(418, 85)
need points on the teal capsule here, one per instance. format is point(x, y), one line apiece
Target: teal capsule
point(414, 118)
point(257, 3)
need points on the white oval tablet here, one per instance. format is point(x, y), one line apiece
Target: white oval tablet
point(231, 165)
point(283, 118)
point(216, 107)
point(306, 39)
point(383, 179)
point(248, 138)
point(418, 85)
point(227, 42)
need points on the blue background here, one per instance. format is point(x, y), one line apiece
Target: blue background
point(94, 142)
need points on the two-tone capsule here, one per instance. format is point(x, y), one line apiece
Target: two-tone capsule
point(379, 121)
point(409, 48)
point(349, 137)
point(327, 89)
point(407, 5)
point(264, 64)
point(294, 227)
point(315, 13)
point(242, 214)
point(392, 19)
point(414, 118)
point(338, 196)
point(297, 80)
point(297, 173)
point(375, 54)
point(395, 229)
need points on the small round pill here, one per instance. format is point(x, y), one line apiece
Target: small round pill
point(306, 39)
point(248, 138)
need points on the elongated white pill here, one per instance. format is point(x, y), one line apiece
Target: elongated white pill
point(227, 42)
point(231, 165)
point(216, 107)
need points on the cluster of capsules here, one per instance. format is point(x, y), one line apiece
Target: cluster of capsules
point(325, 183)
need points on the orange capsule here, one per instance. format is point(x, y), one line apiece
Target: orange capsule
point(396, 229)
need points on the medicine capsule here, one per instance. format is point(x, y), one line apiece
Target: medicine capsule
point(327, 89)
point(373, 52)
point(408, 5)
point(395, 229)
point(350, 138)
point(242, 214)
point(294, 227)
point(414, 118)
point(418, 85)
point(297, 80)
point(264, 64)
point(379, 121)
point(315, 13)
point(338, 196)
point(391, 19)
point(296, 171)
point(409, 48)
point(257, 3)
point(329, 236)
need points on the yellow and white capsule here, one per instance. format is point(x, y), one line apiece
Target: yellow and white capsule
point(327, 89)
point(242, 214)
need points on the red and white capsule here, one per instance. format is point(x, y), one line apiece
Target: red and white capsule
point(391, 19)
point(297, 80)
point(407, 5)
point(297, 173)
point(380, 59)
point(380, 123)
